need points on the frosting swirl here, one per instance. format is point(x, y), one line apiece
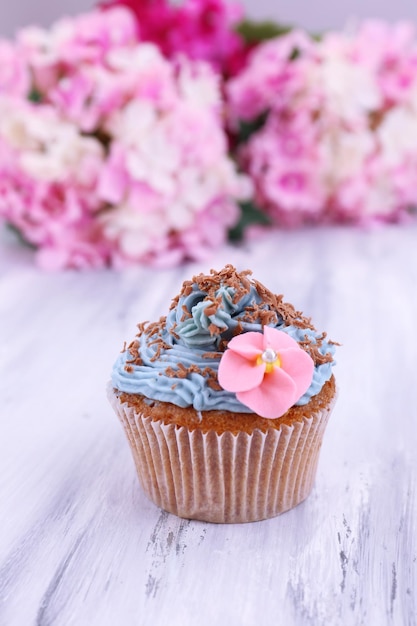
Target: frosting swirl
point(176, 359)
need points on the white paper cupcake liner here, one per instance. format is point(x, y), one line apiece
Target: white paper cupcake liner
point(224, 478)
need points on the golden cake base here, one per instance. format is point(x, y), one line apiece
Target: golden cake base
point(220, 466)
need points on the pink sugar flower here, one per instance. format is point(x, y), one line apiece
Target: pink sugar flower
point(268, 371)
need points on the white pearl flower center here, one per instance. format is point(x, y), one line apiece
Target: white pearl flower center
point(269, 356)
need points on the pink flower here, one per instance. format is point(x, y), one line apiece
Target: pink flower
point(85, 38)
point(271, 79)
point(390, 51)
point(75, 248)
point(200, 29)
point(121, 157)
point(14, 71)
point(337, 141)
point(268, 372)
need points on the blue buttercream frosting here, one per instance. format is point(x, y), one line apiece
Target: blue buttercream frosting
point(176, 359)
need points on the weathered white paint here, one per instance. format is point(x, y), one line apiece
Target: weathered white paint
point(80, 545)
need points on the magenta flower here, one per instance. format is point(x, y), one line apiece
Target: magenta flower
point(200, 29)
point(268, 371)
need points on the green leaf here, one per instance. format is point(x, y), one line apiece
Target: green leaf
point(254, 32)
point(35, 96)
point(250, 215)
point(247, 128)
point(20, 237)
point(295, 54)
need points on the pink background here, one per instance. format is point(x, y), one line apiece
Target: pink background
point(313, 14)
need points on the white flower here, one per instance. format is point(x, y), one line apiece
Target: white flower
point(380, 198)
point(45, 45)
point(138, 59)
point(351, 89)
point(398, 135)
point(154, 161)
point(129, 124)
point(344, 153)
point(134, 230)
point(50, 148)
point(192, 188)
point(199, 85)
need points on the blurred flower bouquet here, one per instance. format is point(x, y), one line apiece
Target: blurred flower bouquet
point(118, 155)
point(331, 125)
point(145, 132)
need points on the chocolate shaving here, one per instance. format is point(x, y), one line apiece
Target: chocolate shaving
point(211, 378)
point(185, 313)
point(160, 342)
point(157, 354)
point(215, 330)
point(313, 349)
point(156, 327)
point(174, 302)
point(183, 372)
point(270, 312)
point(133, 349)
point(141, 326)
point(223, 345)
point(212, 355)
point(213, 384)
point(172, 331)
point(239, 329)
point(213, 307)
point(257, 313)
point(187, 287)
point(210, 284)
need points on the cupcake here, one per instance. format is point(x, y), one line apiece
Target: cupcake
point(225, 401)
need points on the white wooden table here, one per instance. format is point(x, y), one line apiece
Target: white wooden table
point(80, 545)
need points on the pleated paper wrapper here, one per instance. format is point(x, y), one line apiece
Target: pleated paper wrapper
point(223, 478)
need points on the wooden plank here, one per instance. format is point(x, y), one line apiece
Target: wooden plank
point(81, 545)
